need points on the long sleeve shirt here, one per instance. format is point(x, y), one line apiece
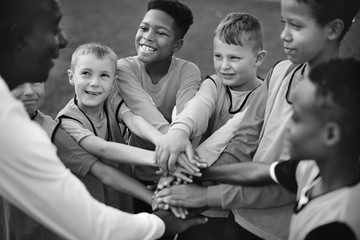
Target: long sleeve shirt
point(264, 211)
point(33, 179)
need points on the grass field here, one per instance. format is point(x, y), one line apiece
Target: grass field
point(115, 23)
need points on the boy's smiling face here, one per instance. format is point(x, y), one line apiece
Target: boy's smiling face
point(305, 132)
point(304, 40)
point(93, 79)
point(234, 64)
point(156, 38)
point(31, 94)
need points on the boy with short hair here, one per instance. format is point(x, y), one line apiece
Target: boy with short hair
point(237, 53)
point(154, 82)
point(92, 118)
point(325, 128)
point(312, 34)
point(80, 162)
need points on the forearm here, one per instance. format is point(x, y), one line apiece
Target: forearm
point(128, 154)
point(234, 196)
point(118, 152)
point(121, 182)
point(143, 129)
point(247, 173)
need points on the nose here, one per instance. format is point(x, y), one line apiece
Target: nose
point(94, 82)
point(149, 35)
point(225, 64)
point(285, 34)
point(62, 39)
point(28, 90)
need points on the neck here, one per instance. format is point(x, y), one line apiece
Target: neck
point(330, 52)
point(158, 70)
point(336, 174)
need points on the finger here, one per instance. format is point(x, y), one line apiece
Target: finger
point(166, 181)
point(172, 162)
point(190, 153)
point(182, 212)
point(184, 162)
point(170, 200)
point(193, 222)
point(175, 211)
point(163, 161)
point(182, 177)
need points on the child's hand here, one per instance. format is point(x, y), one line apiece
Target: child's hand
point(189, 196)
point(170, 146)
point(179, 212)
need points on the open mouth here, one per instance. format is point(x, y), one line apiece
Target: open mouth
point(227, 75)
point(92, 93)
point(147, 48)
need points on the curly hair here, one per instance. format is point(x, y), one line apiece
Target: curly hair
point(181, 13)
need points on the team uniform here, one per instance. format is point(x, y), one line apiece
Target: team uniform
point(333, 215)
point(155, 103)
point(264, 212)
point(79, 125)
point(210, 110)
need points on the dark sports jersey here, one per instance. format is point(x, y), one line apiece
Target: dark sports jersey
point(332, 214)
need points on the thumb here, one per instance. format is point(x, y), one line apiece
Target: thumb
point(190, 153)
point(194, 222)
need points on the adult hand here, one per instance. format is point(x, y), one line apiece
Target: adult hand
point(188, 196)
point(174, 225)
point(170, 146)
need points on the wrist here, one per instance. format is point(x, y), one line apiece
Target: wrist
point(180, 128)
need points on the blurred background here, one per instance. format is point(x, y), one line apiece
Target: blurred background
point(115, 22)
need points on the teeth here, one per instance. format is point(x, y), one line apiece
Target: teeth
point(93, 93)
point(147, 48)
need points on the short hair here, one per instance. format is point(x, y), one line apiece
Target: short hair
point(337, 96)
point(181, 13)
point(97, 49)
point(325, 11)
point(239, 29)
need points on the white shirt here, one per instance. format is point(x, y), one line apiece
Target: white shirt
point(33, 178)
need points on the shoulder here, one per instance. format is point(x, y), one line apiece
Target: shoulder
point(129, 62)
point(185, 65)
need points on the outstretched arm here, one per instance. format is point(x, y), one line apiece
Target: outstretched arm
point(120, 181)
point(117, 152)
point(139, 126)
point(246, 174)
point(192, 122)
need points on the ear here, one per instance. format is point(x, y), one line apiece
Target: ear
point(19, 36)
point(71, 76)
point(334, 29)
point(178, 45)
point(332, 133)
point(260, 58)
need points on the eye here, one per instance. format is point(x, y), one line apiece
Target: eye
point(105, 75)
point(162, 33)
point(85, 74)
point(217, 56)
point(143, 28)
point(235, 58)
